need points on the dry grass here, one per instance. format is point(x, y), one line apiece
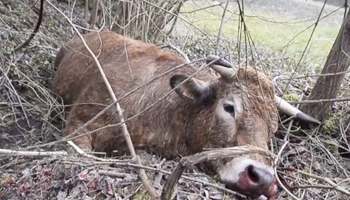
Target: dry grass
point(310, 161)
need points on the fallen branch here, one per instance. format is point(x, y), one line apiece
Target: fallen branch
point(112, 173)
point(319, 101)
point(83, 153)
point(35, 29)
point(325, 179)
point(32, 153)
point(191, 160)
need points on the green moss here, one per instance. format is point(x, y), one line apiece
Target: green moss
point(333, 149)
point(331, 125)
point(214, 180)
point(332, 146)
point(141, 195)
point(291, 97)
point(307, 169)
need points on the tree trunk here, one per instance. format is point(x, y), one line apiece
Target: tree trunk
point(139, 19)
point(337, 62)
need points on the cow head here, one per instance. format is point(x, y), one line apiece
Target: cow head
point(239, 108)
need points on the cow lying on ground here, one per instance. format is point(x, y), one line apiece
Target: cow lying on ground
point(207, 111)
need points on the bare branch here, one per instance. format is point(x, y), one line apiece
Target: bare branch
point(83, 153)
point(325, 179)
point(72, 135)
point(112, 173)
point(179, 51)
point(143, 176)
point(32, 153)
point(221, 26)
point(319, 101)
point(318, 75)
point(35, 29)
point(133, 165)
point(109, 87)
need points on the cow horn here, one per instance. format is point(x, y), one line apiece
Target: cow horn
point(221, 66)
point(288, 109)
point(225, 69)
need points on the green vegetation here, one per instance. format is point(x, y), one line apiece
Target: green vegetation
point(267, 30)
point(141, 195)
point(331, 125)
point(291, 97)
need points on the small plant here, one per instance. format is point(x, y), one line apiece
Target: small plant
point(291, 97)
point(331, 125)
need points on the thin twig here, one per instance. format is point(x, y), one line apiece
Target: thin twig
point(113, 173)
point(83, 153)
point(286, 141)
point(133, 165)
point(200, 9)
point(211, 155)
point(35, 29)
point(318, 75)
point(106, 82)
point(183, 19)
point(275, 169)
point(221, 26)
point(178, 50)
point(142, 174)
point(325, 179)
point(305, 49)
point(67, 138)
point(319, 101)
point(12, 88)
point(72, 135)
point(32, 153)
point(146, 183)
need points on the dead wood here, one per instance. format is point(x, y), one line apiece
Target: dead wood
point(35, 29)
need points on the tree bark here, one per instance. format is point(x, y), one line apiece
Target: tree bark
point(144, 20)
point(327, 87)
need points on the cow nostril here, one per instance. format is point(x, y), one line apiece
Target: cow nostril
point(253, 174)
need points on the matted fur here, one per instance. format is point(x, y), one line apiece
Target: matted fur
point(175, 125)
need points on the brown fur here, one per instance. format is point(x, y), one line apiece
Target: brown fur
point(174, 125)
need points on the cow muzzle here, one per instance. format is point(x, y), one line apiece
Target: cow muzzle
point(249, 177)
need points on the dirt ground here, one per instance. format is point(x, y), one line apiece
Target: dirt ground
point(26, 121)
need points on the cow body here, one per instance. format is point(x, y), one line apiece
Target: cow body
point(207, 111)
point(78, 81)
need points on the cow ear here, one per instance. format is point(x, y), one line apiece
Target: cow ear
point(192, 89)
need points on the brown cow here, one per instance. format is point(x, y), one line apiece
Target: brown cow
point(206, 111)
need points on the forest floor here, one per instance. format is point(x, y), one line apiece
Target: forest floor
point(26, 104)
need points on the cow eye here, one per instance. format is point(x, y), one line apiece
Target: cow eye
point(229, 108)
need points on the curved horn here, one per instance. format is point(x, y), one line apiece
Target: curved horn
point(225, 69)
point(216, 60)
point(288, 109)
point(221, 66)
